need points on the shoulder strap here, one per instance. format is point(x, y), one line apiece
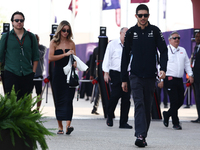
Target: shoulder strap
point(31, 37)
point(6, 42)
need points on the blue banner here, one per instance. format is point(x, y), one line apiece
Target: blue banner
point(110, 4)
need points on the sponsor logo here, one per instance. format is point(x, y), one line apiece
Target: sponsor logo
point(150, 34)
point(135, 35)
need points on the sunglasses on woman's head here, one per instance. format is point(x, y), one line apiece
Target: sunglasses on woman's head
point(63, 30)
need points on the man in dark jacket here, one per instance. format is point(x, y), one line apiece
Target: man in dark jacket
point(195, 60)
point(141, 43)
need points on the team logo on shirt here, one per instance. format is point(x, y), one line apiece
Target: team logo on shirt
point(161, 35)
point(150, 34)
point(135, 35)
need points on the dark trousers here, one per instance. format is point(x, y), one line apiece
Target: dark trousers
point(143, 94)
point(22, 84)
point(197, 97)
point(96, 97)
point(2, 79)
point(175, 90)
point(115, 95)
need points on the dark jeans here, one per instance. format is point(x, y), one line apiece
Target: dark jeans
point(197, 96)
point(175, 90)
point(143, 94)
point(115, 95)
point(22, 84)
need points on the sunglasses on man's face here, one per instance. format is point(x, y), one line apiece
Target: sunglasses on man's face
point(174, 38)
point(17, 20)
point(141, 15)
point(68, 31)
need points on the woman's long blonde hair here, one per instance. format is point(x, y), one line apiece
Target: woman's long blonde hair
point(57, 35)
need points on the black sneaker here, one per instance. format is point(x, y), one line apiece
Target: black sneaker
point(196, 121)
point(126, 126)
point(166, 119)
point(177, 127)
point(109, 121)
point(140, 141)
point(94, 112)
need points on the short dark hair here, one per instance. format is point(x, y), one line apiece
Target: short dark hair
point(17, 13)
point(142, 7)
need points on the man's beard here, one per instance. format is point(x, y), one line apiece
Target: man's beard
point(143, 24)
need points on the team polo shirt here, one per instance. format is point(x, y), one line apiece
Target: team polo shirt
point(17, 61)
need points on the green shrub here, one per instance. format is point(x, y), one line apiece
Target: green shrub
point(20, 117)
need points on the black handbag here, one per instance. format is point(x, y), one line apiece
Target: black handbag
point(74, 79)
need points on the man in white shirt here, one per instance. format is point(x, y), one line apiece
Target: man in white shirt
point(112, 69)
point(178, 61)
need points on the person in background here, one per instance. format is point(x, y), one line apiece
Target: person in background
point(141, 43)
point(61, 47)
point(195, 63)
point(188, 96)
point(39, 71)
point(160, 87)
point(177, 63)
point(112, 69)
point(21, 57)
point(86, 87)
point(93, 74)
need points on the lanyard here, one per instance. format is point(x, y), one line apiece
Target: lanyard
point(21, 44)
point(172, 51)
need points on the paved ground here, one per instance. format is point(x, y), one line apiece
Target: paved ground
point(92, 133)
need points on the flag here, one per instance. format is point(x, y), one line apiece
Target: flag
point(139, 1)
point(110, 4)
point(164, 9)
point(118, 17)
point(53, 10)
point(76, 6)
point(55, 21)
